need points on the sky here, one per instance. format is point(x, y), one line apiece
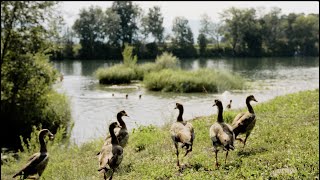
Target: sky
point(192, 10)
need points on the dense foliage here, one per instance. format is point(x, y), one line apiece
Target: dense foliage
point(27, 96)
point(239, 32)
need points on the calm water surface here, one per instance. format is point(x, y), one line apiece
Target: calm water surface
point(94, 107)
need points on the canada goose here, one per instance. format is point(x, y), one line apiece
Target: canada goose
point(121, 133)
point(244, 122)
point(221, 133)
point(38, 161)
point(182, 132)
point(229, 105)
point(111, 155)
point(127, 96)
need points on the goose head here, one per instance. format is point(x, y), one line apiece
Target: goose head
point(45, 132)
point(122, 113)
point(217, 103)
point(114, 125)
point(251, 98)
point(179, 106)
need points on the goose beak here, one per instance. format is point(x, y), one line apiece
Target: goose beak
point(51, 137)
point(126, 115)
point(213, 105)
point(176, 107)
point(255, 100)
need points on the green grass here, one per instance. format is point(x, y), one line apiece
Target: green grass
point(201, 80)
point(285, 138)
point(118, 74)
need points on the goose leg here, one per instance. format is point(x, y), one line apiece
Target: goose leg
point(188, 150)
point(225, 161)
point(216, 151)
point(245, 140)
point(111, 175)
point(177, 153)
point(239, 139)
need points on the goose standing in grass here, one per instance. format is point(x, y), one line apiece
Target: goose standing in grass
point(38, 161)
point(229, 105)
point(121, 133)
point(243, 123)
point(221, 133)
point(110, 155)
point(182, 132)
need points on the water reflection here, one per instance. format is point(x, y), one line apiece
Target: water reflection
point(94, 107)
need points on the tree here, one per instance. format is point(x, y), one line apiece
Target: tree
point(306, 31)
point(271, 31)
point(27, 97)
point(153, 23)
point(202, 41)
point(90, 28)
point(68, 51)
point(112, 27)
point(183, 37)
point(243, 31)
point(128, 14)
point(211, 30)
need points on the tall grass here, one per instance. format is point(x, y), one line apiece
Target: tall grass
point(202, 80)
point(129, 70)
point(284, 144)
point(117, 74)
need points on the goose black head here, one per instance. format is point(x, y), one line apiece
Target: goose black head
point(114, 125)
point(179, 106)
point(251, 98)
point(44, 132)
point(123, 113)
point(217, 102)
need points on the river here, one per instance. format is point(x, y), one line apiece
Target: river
point(94, 107)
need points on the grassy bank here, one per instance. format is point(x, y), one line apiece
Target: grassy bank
point(283, 145)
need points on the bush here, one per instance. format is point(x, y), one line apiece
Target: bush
point(202, 80)
point(27, 98)
point(115, 75)
point(167, 60)
point(124, 73)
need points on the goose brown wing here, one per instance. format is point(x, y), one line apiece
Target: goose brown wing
point(237, 118)
point(31, 167)
point(105, 155)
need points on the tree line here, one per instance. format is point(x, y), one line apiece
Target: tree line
point(239, 32)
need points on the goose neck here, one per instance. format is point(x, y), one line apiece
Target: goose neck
point(120, 120)
point(114, 139)
point(250, 109)
point(43, 147)
point(180, 115)
point(220, 111)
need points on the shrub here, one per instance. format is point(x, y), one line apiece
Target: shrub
point(202, 80)
point(128, 60)
point(116, 74)
point(27, 98)
point(167, 60)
